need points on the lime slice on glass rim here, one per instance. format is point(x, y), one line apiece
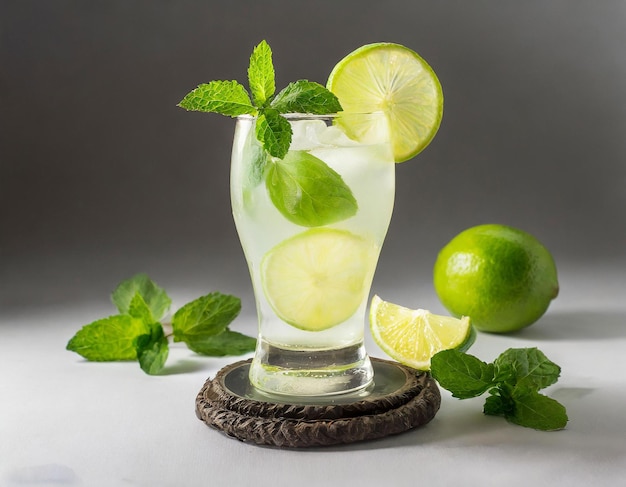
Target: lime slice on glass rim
point(318, 278)
point(396, 80)
point(413, 336)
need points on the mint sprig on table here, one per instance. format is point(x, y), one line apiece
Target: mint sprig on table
point(513, 382)
point(232, 99)
point(136, 333)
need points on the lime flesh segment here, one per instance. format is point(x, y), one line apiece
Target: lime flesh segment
point(412, 337)
point(317, 279)
point(396, 80)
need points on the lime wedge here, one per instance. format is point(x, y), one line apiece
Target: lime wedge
point(412, 337)
point(394, 79)
point(318, 278)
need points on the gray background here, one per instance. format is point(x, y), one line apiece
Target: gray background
point(102, 176)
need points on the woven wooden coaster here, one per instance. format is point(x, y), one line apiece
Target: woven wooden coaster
point(400, 399)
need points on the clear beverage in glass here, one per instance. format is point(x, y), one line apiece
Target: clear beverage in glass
point(312, 247)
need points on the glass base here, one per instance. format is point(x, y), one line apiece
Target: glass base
point(305, 372)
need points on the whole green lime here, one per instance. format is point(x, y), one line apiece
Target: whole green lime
point(502, 278)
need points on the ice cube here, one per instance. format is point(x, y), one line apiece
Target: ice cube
point(336, 137)
point(310, 134)
point(306, 134)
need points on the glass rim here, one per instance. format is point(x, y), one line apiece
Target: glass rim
point(314, 116)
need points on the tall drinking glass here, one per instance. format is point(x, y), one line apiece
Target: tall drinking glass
point(312, 226)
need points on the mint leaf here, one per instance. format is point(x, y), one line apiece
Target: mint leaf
point(207, 315)
point(108, 339)
point(226, 343)
point(224, 97)
point(304, 96)
point(496, 405)
point(261, 74)
point(274, 132)
point(308, 192)
point(152, 349)
point(138, 308)
point(462, 374)
point(505, 373)
point(534, 410)
point(154, 296)
point(500, 401)
point(529, 365)
point(255, 164)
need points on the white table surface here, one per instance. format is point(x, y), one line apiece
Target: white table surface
point(64, 421)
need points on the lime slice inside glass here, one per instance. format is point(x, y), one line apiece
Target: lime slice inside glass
point(413, 336)
point(318, 278)
point(396, 80)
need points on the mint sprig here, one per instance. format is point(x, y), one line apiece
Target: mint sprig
point(304, 189)
point(136, 333)
point(232, 99)
point(513, 382)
